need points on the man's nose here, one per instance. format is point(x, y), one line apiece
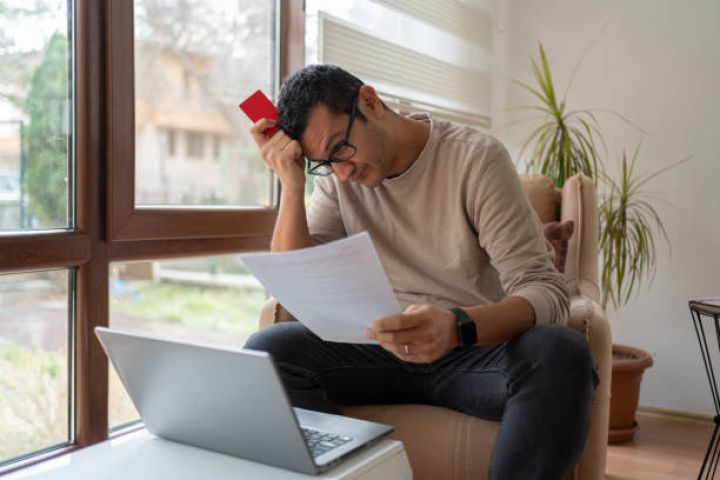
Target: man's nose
point(343, 170)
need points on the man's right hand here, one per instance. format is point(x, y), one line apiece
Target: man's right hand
point(283, 154)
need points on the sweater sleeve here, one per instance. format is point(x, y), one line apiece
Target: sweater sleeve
point(324, 218)
point(510, 232)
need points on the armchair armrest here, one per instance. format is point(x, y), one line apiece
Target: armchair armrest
point(579, 203)
point(589, 318)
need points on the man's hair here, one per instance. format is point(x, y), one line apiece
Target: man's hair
point(305, 89)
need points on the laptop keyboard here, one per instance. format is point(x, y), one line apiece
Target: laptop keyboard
point(322, 442)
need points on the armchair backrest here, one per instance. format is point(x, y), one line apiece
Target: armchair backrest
point(576, 201)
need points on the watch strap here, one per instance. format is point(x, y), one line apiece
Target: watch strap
point(467, 330)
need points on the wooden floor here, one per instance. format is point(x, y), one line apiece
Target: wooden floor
point(663, 449)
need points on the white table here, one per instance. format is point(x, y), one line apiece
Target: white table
point(143, 456)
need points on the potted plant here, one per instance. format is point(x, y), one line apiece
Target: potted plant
point(565, 143)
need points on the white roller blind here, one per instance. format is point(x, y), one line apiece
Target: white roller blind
point(471, 23)
point(409, 80)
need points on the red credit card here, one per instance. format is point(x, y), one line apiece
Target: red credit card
point(257, 106)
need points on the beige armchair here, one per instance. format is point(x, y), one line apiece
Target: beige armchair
point(445, 444)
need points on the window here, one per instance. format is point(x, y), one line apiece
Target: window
point(36, 193)
point(35, 380)
point(213, 300)
point(238, 194)
point(194, 61)
point(85, 150)
point(35, 116)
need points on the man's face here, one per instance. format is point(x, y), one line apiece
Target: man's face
point(326, 130)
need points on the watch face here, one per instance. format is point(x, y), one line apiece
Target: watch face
point(467, 331)
point(469, 336)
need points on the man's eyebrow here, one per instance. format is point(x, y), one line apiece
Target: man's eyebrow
point(330, 140)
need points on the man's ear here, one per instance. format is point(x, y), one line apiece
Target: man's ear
point(369, 103)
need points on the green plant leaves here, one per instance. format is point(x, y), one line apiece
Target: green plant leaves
point(566, 143)
point(628, 224)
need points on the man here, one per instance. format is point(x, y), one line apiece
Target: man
point(450, 222)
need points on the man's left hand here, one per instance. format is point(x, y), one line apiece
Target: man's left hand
point(421, 334)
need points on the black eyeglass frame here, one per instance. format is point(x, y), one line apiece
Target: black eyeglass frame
point(319, 164)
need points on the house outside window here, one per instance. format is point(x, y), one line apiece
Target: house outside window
point(171, 142)
point(195, 145)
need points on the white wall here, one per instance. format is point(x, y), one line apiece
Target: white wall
point(658, 63)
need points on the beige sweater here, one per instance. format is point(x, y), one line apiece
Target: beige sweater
point(455, 229)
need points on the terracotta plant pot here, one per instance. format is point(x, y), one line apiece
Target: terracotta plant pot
point(627, 369)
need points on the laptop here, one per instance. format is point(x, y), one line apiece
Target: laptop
point(229, 401)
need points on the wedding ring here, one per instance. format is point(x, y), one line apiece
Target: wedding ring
point(407, 349)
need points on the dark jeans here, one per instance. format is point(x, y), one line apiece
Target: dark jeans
point(540, 385)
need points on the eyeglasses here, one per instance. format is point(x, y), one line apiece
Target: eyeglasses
point(342, 152)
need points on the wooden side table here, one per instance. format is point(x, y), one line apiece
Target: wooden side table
point(708, 310)
point(143, 456)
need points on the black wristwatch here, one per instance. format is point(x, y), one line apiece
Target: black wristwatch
point(467, 331)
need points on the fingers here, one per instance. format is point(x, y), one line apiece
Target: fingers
point(411, 345)
point(410, 354)
point(278, 138)
point(417, 335)
point(259, 127)
point(396, 331)
point(294, 147)
point(399, 336)
point(280, 151)
point(278, 142)
point(282, 154)
point(415, 352)
point(397, 322)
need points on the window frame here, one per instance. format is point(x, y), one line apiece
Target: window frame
point(108, 228)
point(128, 222)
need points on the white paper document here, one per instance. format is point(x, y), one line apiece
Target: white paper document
point(336, 289)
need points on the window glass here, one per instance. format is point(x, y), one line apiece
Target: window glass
point(34, 398)
point(35, 115)
point(195, 60)
point(217, 145)
point(210, 300)
point(171, 138)
point(195, 144)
